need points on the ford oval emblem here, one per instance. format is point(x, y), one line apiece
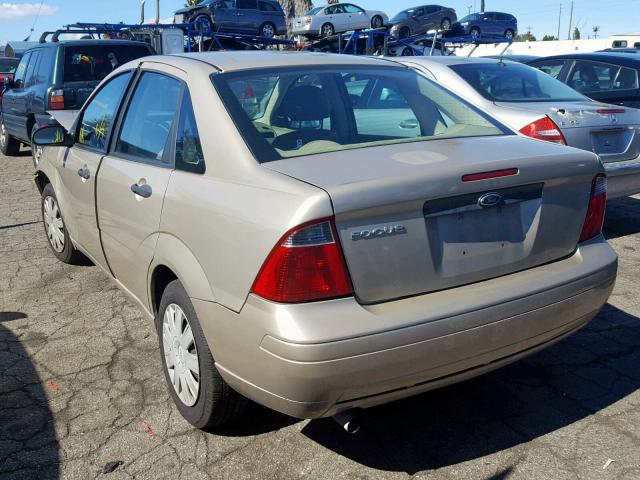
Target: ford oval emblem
point(489, 200)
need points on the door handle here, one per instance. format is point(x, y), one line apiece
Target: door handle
point(409, 124)
point(143, 191)
point(239, 14)
point(84, 173)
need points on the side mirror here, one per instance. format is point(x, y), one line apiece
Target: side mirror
point(52, 136)
point(485, 19)
point(7, 83)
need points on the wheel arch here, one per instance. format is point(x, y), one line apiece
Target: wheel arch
point(41, 180)
point(173, 260)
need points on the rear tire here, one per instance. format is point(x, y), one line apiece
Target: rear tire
point(445, 24)
point(377, 22)
point(406, 52)
point(214, 402)
point(327, 30)
point(56, 231)
point(404, 32)
point(474, 32)
point(267, 30)
point(8, 145)
point(508, 33)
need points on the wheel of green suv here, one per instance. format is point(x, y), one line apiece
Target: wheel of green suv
point(57, 234)
point(200, 393)
point(8, 145)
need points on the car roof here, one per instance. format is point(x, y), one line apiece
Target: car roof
point(455, 60)
point(245, 60)
point(618, 58)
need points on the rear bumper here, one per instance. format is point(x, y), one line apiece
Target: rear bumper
point(315, 360)
point(623, 178)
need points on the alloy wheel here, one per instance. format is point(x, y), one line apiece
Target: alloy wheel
point(181, 354)
point(268, 31)
point(3, 135)
point(446, 24)
point(53, 223)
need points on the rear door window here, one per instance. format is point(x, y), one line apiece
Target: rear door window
point(189, 155)
point(246, 4)
point(30, 77)
point(98, 117)
point(267, 7)
point(592, 77)
point(149, 118)
point(94, 62)
point(21, 70)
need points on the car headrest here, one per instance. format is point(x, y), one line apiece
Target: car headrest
point(305, 103)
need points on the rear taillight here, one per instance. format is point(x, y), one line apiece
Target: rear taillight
point(56, 100)
point(306, 265)
point(597, 206)
point(544, 129)
point(307, 20)
point(610, 111)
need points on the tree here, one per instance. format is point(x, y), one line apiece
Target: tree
point(527, 37)
point(549, 38)
point(596, 29)
point(294, 8)
point(191, 3)
point(576, 34)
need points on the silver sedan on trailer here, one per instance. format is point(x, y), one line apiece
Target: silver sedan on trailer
point(337, 18)
point(322, 232)
point(544, 108)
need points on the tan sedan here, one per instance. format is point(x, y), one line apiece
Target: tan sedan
point(320, 233)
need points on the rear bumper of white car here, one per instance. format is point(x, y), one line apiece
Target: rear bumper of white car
point(623, 178)
point(316, 360)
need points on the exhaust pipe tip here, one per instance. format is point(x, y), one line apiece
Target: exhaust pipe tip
point(349, 421)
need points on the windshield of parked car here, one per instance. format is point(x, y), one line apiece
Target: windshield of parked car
point(469, 18)
point(291, 112)
point(315, 11)
point(402, 16)
point(8, 65)
point(515, 82)
point(85, 63)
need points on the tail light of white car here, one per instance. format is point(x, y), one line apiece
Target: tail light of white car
point(597, 206)
point(306, 265)
point(307, 20)
point(544, 129)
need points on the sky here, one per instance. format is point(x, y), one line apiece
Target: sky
point(541, 16)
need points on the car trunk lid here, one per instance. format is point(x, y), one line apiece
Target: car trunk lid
point(611, 131)
point(409, 224)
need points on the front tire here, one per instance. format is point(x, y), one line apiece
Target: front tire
point(474, 32)
point(57, 233)
point(327, 30)
point(200, 393)
point(377, 22)
point(407, 52)
point(8, 145)
point(404, 32)
point(508, 34)
point(202, 23)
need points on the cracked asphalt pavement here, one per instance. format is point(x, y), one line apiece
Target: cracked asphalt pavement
point(81, 386)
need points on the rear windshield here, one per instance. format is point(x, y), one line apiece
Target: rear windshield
point(315, 11)
point(94, 62)
point(469, 18)
point(402, 16)
point(291, 112)
point(515, 82)
point(8, 65)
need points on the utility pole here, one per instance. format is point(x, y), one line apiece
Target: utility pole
point(469, 8)
point(559, 19)
point(570, 21)
point(482, 5)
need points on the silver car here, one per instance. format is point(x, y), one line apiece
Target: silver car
point(542, 107)
point(322, 232)
point(337, 18)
